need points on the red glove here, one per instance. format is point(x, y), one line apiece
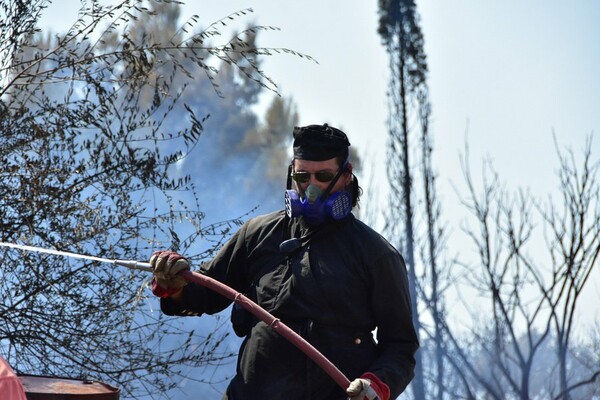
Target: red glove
point(162, 292)
point(368, 387)
point(166, 266)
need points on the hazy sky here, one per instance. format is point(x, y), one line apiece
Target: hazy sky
point(505, 75)
point(510, 73)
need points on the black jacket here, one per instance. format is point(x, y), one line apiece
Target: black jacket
point(345, 283)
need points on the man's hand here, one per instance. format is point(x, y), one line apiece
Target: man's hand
point(166, 266)
point(368, 387)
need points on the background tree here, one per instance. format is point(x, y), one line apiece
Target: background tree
point(573, 243)
point(437, 274)
point(89, 142)
point(242, 153)
point(403, 40)
point(532, 300)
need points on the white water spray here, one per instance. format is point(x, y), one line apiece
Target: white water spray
point(124, 263)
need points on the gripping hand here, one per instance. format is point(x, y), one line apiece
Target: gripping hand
point(166, 266)
point(368, 387)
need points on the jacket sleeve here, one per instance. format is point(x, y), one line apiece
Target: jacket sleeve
point(396, 335)
point(228, 267)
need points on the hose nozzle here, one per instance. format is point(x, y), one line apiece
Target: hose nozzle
point(142, 266)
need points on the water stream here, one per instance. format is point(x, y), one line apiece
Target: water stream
point(124, 263)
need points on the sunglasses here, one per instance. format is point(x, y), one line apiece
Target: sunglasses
point(321, 176)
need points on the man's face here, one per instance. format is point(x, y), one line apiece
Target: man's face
point(330, 165)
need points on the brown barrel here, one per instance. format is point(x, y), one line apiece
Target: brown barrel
point(53, 388)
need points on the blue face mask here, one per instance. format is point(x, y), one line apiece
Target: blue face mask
point(314, 208)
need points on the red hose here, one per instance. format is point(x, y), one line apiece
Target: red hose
point(273, 322)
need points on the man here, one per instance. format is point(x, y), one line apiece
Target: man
point(325, 274)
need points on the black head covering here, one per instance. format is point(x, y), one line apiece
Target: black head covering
point(319, 142)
